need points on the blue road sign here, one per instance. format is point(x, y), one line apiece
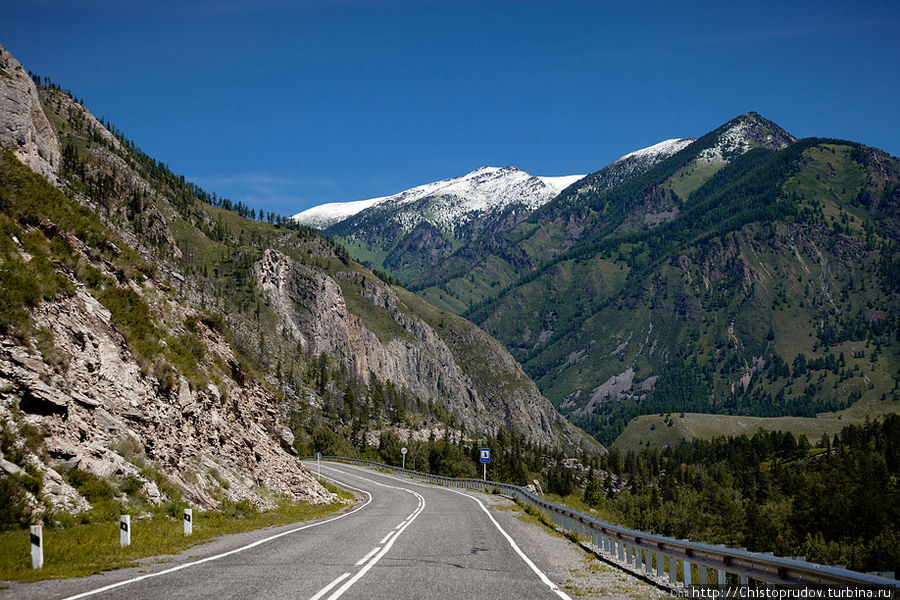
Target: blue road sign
point(485, 455)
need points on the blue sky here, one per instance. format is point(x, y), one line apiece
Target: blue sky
point(285, 105)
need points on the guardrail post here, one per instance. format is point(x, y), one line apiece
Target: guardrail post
point(37, 547)
point(125, 530)
point(613, 541)
point(188, 521)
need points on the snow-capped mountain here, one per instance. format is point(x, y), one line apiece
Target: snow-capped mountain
point(634, 163)
point(655, 152)
point(324, 215)
point(450, 202)
point(744, 133)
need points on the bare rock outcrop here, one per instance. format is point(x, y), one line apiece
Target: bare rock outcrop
point(25, 129)
point(101, 414)
point(463, 368)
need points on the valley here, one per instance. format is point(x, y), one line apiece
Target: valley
point(637, 341)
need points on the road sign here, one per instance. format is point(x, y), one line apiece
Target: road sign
point(403, 450)
point(485, 455)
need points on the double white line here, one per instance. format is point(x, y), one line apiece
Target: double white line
point(372, 558)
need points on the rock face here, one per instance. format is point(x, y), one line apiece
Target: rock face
point(463, 368)
point(25, 129)
point(223, 442)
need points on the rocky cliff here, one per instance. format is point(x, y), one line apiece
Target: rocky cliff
point(24, 128)
point(99, 413)
point(153, 336)
point(452, 362)
point(103, 368)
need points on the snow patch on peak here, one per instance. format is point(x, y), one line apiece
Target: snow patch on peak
point(663, 148)
point(560, 183)
point(734, 140)
point(324, 215)
point(449, 203)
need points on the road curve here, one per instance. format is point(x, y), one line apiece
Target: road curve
point(404, 540)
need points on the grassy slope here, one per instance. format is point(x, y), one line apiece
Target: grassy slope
point(796, 281)
point(654, 430)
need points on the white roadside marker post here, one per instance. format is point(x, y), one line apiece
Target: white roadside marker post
point(125, 530)
point(188, 521)
point(37, 547)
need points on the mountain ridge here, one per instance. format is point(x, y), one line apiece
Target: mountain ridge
point(470, 187)
point(201, 374)
point(555, 285)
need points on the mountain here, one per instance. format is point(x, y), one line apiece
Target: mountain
point(103, 370)
point(449, 202)
point(749, 273)
point(741, 273)
point(154, 336)
point(412, 233)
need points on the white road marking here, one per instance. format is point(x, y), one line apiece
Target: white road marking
point(328, 587)
point(420, 507)
point(385, 538)
point(224, 554)
point(546, 580)
point(515, 546)
point(368, 556)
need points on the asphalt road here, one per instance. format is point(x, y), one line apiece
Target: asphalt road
point(403, 540)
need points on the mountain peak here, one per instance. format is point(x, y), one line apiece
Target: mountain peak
point(755, 130)
point(486, 188)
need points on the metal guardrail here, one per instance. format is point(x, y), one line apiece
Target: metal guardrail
point(654, 552)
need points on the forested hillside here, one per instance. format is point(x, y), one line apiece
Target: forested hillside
point(173, 344)
point(746, 274)
point(833, 500)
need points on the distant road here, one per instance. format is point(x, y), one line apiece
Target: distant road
point(404, 540)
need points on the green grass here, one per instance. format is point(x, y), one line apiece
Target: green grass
point(690, 178)
point(531, 515)
point(373, 255)
point(85, 549)
point(654, 429)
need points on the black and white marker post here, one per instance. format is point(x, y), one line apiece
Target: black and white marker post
point(188, 521)
point(37, 547)
point(125, 530)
